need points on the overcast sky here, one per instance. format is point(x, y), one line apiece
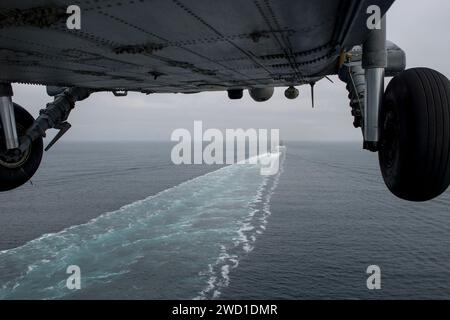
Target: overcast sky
point(421, 28)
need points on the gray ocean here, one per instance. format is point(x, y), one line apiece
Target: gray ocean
point(140, 227)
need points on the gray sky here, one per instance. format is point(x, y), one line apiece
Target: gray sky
point(421, 28)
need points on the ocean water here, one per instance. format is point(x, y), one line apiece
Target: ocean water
point(141, 228)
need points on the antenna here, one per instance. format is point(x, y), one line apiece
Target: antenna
point(312, 84)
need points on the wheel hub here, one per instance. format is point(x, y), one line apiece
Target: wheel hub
point(14, 158)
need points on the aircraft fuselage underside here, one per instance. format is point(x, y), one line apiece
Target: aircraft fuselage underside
point(178, 46)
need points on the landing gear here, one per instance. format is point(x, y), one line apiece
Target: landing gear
point(409, 124)
point(414, 148)
point(17, 167)
point(21, 145)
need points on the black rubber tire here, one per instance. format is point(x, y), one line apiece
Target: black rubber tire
point(414, 153)
point(11, 178)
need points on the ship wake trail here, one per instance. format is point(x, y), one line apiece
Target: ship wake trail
point(249, 228)
point(155, 248)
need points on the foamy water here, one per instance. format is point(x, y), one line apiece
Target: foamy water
point(183, 242)
point(243, 243)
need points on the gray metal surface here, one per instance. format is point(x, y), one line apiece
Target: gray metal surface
point(8, 121)
point(374, 62)
point(374, 98)
point(178, 45)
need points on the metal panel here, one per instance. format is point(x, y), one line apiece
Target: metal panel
point(178, 45)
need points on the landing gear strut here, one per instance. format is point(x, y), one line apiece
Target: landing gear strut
point(374, 61)
point(8, 117)
point(21, 145)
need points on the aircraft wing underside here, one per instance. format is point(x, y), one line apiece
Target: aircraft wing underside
point(178, 45)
